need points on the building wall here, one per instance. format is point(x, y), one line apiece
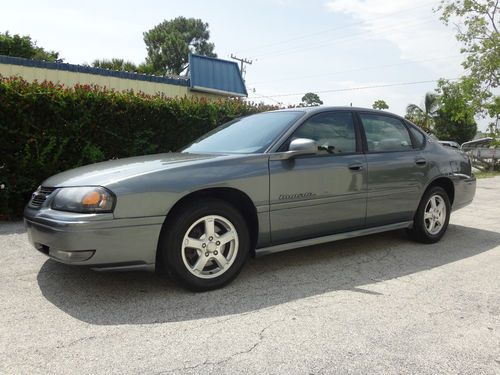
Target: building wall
point(69, 79)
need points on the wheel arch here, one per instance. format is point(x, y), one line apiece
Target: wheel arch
point(239, 199)
point(446, 183)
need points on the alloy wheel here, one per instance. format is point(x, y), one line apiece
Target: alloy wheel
point(210, 246)
point(434, 214)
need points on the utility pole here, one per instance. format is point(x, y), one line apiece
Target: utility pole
point(242, 64)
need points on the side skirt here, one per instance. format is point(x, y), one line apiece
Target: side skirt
point(331, 238)
point(150, 267)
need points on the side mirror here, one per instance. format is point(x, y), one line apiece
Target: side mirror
point(298, 147)
point(303, 146)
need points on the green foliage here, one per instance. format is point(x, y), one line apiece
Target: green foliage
point(310, 100)
point(146, 68)
point(22, 46)
point(48, 128)
point(493, 108)
point(477, 26)
point(494, 133)
point(477, 29)
point(486, 174)
point(123, 65)
point(424, 116)
point(380, 104)
point(455, 117)
point(169, 43)
point(454, 130)
point(115, 64)
point(457, 98)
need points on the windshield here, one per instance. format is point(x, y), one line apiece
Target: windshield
point(246, 135)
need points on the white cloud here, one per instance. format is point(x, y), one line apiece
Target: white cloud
point(410, 26)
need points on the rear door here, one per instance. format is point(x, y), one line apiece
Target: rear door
point(396, 169)
point(321, 194)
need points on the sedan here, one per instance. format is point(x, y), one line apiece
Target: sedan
point(259, 184)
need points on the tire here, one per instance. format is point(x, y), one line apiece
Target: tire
point(205, 246)
point(432, 216)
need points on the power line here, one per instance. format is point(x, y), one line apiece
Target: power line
point(360, 69)
point(265, 96)
point(358, 88)
point(349, 25)
point(301, 48)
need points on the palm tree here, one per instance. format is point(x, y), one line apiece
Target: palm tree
point(424, 117)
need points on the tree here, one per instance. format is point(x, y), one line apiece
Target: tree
point(424, 117)
point(477, 29)
point(115, 64)
point(455, 117)
point(493, 109)
point(122, 65)
point(460, 131)
point(380, 104)
point(493, 127)
point(310, 100)
point(145, 68)
point(457, 98)
point(23, 46)
point(168, 44)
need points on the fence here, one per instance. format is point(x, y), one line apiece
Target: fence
point(485, 158)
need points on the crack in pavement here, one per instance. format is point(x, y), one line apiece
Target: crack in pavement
point(227, 359)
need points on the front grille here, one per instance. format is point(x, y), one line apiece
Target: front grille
point(40, 196)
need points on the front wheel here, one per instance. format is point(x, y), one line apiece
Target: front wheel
point(432, 217)
point(206, 245)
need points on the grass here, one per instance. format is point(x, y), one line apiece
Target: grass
point(487, 174)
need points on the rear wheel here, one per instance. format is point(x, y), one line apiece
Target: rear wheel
point(432, 217)
point(206, 245)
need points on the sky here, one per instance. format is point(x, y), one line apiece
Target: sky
point(347, 51)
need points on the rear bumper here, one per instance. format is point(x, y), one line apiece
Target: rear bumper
point(98, 241)
point(465, 189)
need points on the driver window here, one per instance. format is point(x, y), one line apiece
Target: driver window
point(333, 132)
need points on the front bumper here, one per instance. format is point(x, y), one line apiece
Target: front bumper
point(96, 240)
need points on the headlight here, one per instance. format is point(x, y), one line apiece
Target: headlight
point(88, 199)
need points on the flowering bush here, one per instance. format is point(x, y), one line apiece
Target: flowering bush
point(47, 128)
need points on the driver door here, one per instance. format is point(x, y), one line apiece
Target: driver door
point(322, 194)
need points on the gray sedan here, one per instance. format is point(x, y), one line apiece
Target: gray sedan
point(258, 184)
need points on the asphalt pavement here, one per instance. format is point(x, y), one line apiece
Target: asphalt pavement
point(373, 305)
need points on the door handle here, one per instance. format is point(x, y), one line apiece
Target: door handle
point(355, 167)
point(421, 161)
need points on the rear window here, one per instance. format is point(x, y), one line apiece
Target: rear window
point(384, 133)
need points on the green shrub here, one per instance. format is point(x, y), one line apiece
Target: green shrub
point(47, 128)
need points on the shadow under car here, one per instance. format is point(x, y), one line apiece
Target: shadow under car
point(142, 298)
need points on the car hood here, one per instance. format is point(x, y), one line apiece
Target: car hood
point(113, 171)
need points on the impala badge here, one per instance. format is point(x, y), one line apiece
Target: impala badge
point(296, 196)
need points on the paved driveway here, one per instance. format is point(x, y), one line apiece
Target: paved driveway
point(378, 304)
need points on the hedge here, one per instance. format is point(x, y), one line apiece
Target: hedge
point(48, 128)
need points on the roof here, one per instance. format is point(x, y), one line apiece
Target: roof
point(321, 108)
point(173, 80)
point(208, 74)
